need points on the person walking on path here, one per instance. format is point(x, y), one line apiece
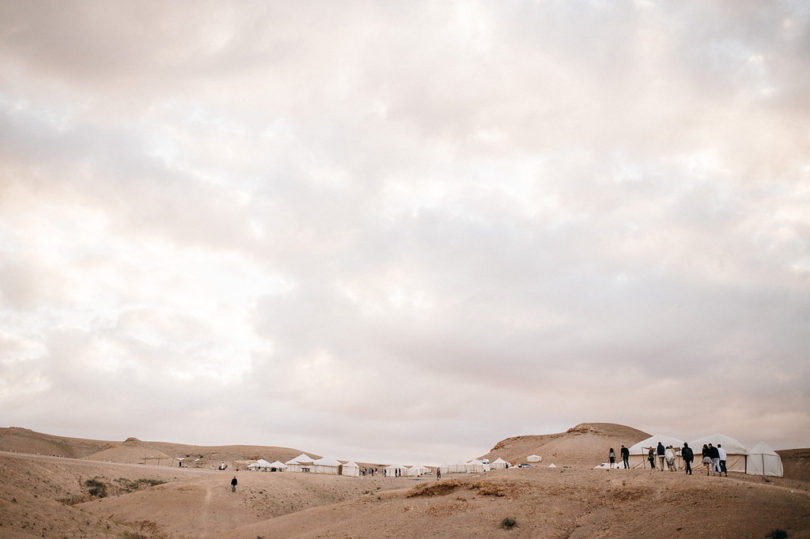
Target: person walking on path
point(612, 457)
point(706, 458)
point(661, 455)
point(626, 458)
point(722, 453)
point(233, 484)
point(715, 456)
point(688, 456)
point(651, 458)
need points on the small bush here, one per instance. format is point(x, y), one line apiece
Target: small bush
point(97, 488)
point(508, 523)
point(776, 533)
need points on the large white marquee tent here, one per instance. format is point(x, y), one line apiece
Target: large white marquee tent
point(736, 453)
point(639, 451)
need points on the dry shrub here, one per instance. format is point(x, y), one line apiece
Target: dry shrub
point(435, 489)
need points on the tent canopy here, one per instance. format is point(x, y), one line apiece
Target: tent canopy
point(641, 447)
point(731, 445)
point(326, 461)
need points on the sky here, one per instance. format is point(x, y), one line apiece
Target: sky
point(403, 231)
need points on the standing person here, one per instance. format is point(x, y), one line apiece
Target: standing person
point(233, 484)
point(438, 473)
point(722, 453)
point(706, 458)
point(626, 458)
point(670, 456)
point(661, 451)
point(612, 457)
point(715, 455)
point(688, 455)
point(651, 458)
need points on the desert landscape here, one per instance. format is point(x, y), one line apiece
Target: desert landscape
point(67, 487)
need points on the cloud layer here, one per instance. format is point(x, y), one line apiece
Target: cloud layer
point(404, 231)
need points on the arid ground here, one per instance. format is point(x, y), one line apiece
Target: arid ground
point(66, 487)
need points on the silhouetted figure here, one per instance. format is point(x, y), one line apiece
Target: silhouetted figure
point(233, 484)
point(626, 458)
point(662, 455)
point(688, 456)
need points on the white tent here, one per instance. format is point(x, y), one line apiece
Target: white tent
point(277, 466)
point(459, 467)
point(500, 464)
point(534, 458)
point(350, 468)
point(638, 452)
point(416, 470)
point(301, 463)
point(475, 466)
point(326, 465)
point(259, 465)
point(736, 453)
point(393, 470)
point(763, 460)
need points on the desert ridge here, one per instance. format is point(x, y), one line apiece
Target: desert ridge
point(89, 494)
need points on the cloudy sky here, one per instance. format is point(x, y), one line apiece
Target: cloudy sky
point(404, 230)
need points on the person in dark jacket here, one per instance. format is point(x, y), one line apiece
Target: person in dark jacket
point(688, 456)
point(662, 455)
point(233, 484)
point(715, 455)
point(651, 458)
point(626, 457)
point(705, 458)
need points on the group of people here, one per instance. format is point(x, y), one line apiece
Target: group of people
point(713, 458)
point(625, 457)
point(666, 457)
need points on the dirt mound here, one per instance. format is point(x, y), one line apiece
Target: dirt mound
point(586, 443)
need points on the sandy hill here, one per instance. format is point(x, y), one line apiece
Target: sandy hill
point(19, 440)
point(135, 451)
point(587, 443)
point(796, 463)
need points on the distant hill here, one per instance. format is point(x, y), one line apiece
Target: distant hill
point(20, 440)
point(796, 463)
point(134, 451)
point(587, 443)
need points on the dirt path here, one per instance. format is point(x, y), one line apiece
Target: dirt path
point(206, 507)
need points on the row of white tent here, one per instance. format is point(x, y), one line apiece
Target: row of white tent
point(326, 465)
point(305, 463)
point(759, 460)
